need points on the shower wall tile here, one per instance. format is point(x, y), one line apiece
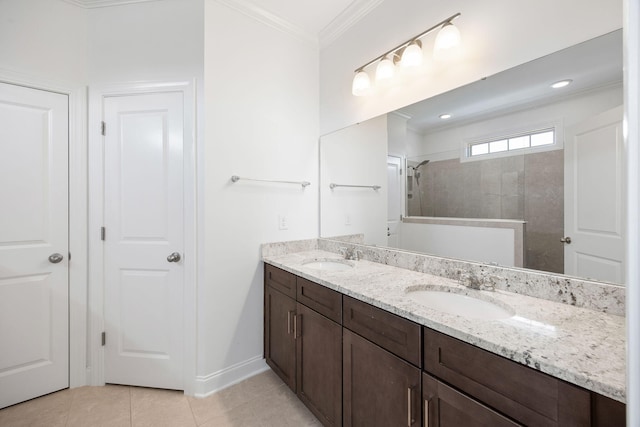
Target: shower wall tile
point(512, 207)
point(544, 210)
point(526, 187)
point(492, 207)
point(490, 178)
point(510, 185)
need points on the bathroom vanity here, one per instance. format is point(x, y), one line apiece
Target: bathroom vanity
point(357, 349)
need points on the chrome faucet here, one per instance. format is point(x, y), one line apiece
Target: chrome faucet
point(481, 282)
point(350, 253)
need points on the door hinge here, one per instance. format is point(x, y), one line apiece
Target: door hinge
point(69, 256)
point(103, 128)
point(103, 233)
point(104, 338)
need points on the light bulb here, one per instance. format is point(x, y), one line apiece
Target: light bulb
point(412, 55)
point(385, 69)
point(361, 84)
point(448, 37)
point(562, 83)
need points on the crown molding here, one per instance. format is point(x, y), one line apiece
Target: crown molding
point(92, 4)
point(345, 20)
point(261, 15)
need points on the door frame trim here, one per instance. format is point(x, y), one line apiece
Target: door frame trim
point(97, 94)
point(77, 96)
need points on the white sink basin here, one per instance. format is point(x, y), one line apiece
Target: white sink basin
point(459, 304)
point(328, 264)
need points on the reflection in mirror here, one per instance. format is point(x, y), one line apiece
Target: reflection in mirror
point(519, 174)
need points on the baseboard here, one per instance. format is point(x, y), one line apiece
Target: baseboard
point(209, 384)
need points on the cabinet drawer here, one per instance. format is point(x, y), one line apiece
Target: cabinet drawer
point(534, 398)
point(281, 280)
point(321, 299)
point(446, 407)
point(393, 333)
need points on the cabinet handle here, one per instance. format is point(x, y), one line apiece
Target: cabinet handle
point(289, 322)
point(426, 412)
point(295, 326)
point(410, 419)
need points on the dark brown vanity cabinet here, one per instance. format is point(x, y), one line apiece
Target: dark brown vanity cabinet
point(303, 341)
point(523, 396)
point(354, 364)
point(279, 342)
point(445, 406)
point(381, 387)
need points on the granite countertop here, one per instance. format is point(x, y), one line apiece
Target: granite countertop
point(581, 346)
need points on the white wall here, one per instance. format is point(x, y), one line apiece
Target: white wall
point(262, 96)
point(397, 131)
point(356, 155)
point(446, 143)
point(497, 35)
point(632, 145)
point(482, 244)
point(147, 41)
point(45, 39)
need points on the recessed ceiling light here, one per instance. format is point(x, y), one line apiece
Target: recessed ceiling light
point(561, 83)
point(445, 116)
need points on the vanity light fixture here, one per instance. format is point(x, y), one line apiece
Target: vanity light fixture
point(361, 84)
point(385, 69)
point(445, 116)
point(447, 38)
point(561, 83)
point(408, 54)
point(412, 54)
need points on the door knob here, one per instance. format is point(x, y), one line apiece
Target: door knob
point(566, 240)
point(55, 258)
point(174, 257)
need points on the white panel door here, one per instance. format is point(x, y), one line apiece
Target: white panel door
point(394, 204)
point(144, 225)
point(594, 198)
point(34, 329)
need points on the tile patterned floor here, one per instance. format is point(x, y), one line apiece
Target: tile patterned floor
point(261, 401)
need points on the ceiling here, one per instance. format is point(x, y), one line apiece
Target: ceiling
point(593, 64)
point(320, 22)
point(313, 16)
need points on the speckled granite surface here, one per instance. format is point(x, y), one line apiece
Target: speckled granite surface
point(582, 346)
point(590, 294)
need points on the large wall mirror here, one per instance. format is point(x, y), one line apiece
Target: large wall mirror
point(506, 170)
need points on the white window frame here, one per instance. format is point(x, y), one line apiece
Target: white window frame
point(558, 143)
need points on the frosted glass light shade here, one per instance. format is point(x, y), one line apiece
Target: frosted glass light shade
point(385, 69)
point(361, 84)
point(412, 55)
point(447, 38)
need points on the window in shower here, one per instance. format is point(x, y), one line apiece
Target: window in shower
point(538, 138)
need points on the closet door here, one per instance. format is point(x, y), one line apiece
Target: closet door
point(34, 243)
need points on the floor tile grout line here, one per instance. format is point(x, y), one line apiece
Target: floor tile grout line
point(195, 422)
point(66, 422)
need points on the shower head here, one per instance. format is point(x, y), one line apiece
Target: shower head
point(417, 172)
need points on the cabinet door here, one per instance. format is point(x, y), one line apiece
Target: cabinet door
point(380, 389)
point(607, 412)
point(521, 393)
point(319, 357)
point(279, 340)
point(447, 407)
